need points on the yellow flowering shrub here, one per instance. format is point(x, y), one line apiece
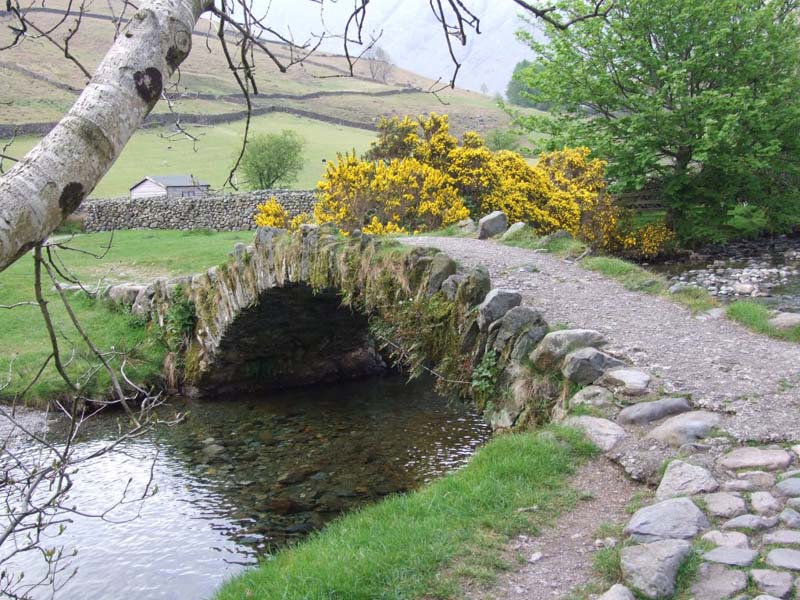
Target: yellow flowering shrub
point(300, 219)
point(399, 196)
point(397, 138)
point(271, 213)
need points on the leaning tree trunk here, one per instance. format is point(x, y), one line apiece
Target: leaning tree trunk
point(52, 180)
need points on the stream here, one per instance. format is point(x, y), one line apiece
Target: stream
point(765, 270)
point(241, 477)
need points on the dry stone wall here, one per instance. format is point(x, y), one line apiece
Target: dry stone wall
point(217, 212)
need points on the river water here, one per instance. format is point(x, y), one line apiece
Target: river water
point(240, 477)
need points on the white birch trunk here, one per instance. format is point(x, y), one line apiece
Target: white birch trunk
point(52, 179)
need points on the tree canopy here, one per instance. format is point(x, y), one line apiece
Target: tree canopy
point(272, 159)
point(702, 100)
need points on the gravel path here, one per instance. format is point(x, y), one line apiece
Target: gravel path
point(755, 380)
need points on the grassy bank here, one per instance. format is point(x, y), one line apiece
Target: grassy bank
point(756, 317)
point(428, 543)
point(137, 256)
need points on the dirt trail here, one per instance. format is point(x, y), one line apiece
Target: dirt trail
point(752, 379)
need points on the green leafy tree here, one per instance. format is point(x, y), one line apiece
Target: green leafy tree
point(701, 98)
point(518, 91)
point(272, 159)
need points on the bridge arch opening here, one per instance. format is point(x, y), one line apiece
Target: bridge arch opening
point(292, 336)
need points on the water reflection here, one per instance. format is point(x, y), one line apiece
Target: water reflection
point(241, 477)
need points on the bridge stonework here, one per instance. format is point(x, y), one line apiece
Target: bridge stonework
point(315, 306)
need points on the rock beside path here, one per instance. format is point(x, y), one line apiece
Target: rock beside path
point(647, 412)
point(651, 568)
point(678, 518)
point(603, 433)
point(491, 225)
point(686, 428)
point(684, 479)
point(755, 458)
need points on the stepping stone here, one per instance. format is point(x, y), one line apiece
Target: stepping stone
point(725, 504)
point(760, 479)
point(715, 582)
point(774, 583)
point(651, 568)
point(646, 412)
point(790, 518)
point(735, 557)
point(739, 485)
point(586, 365)
point(755, 458)
point(789, 487)
point(765, 503)
point(678, 518)
point(630, 382)
point(782, 537)
point(683, 479)
point(686, 428)
point(730, 539)
point(604, 433)
point(784, 558)
point(752, 522)
point(593, 395)
point(557, 344)
point(618, 592)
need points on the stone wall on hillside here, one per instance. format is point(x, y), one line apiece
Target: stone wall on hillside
point(216, 211)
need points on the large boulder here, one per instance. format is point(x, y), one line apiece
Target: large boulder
point(677, 518)
point(492, 224)
point(586, 365)
point(496, 304)
point(557, 344)
point(651, 569)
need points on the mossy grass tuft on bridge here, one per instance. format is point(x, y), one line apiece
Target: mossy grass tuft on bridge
point(428, 543)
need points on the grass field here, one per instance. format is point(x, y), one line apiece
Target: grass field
point(149, 153)
point(428, 543)
point(137, 256)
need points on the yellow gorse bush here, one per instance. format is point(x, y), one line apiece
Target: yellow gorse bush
point(417, 177)
point(271, 213)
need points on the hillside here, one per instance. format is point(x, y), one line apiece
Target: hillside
point(333, 111)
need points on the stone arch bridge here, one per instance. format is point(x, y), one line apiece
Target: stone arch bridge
point(301, 308)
